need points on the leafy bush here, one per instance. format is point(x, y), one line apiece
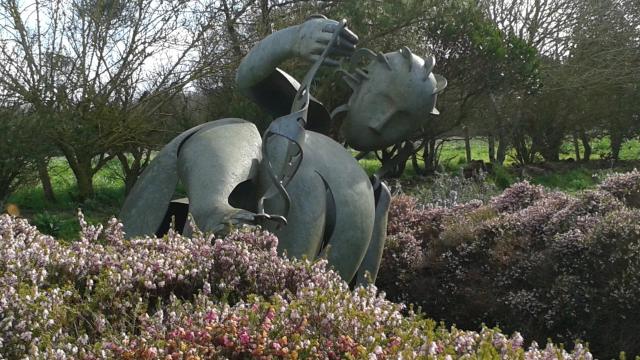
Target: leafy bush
point(47, 223)
point(19, 148)
point(202, 297)
point(537, 261)
point(501, 177)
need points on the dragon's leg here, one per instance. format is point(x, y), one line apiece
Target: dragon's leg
point(368, 270)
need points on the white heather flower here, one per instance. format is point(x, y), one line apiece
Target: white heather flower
point(60, 355)
point(433, 348)
point(517, 340)
point(26, 336)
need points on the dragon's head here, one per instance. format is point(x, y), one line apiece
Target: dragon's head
point(393, 94)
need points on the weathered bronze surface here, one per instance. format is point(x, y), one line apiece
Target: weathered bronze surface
point(293, 180)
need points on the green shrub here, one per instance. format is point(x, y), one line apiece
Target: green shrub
point(47, 223)
point(501, 177)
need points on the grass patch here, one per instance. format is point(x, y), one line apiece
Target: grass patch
point(59, 218)
point(571, 181)
point(454, 153)
point(601, 148)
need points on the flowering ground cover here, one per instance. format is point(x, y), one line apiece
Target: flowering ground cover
point(205, 297)
point(545, 263)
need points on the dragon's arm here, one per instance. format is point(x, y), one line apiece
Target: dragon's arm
point(307, 40)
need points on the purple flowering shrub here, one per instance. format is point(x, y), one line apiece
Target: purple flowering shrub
point(625, 187)
point(544, 263)
point(203, 297)
point(518, 196)
point(410, 229)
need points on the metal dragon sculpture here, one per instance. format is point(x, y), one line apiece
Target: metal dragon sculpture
point(294, 180)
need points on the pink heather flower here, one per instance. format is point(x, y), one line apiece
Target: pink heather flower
point(151, 353)
point(226, 341)
point(244, 338)
point(211, 316)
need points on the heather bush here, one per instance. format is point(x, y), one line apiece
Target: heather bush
point(518, 196)
point(625, 187)
point(203, 297)
point(544, 263)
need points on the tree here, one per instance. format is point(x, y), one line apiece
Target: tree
point(82, 67)
point(604, 59)
point(17, 162)
point(479, 61)
point(589, 62)
point(546, 26)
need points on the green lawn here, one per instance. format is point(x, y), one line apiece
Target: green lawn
point(60, 218)
point(570, 181)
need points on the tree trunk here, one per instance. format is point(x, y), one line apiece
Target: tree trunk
point(45, 179)
point(414, 161)
point(549, 142)
point(492, 148)
point(550, 152)
point(586, 145)
point(576, 146)
point(132, 169)
point(416, 166)
point(616, 144)
point(523, 154)
point(536, 146)
point(4, 194)
point(430, 156)
point(234, 37)
point(502, 137)
point(467, 143)
point(388, 156)
point(83, 171)
point(84, 177)
point(265, 18)
point(501, 153)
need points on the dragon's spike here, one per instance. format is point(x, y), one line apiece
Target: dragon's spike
point(383, 60)
point(361, 54)
point(352, 81)
point(407, 54)
point(441, 83)
point(361, 74)
point(429, 63)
